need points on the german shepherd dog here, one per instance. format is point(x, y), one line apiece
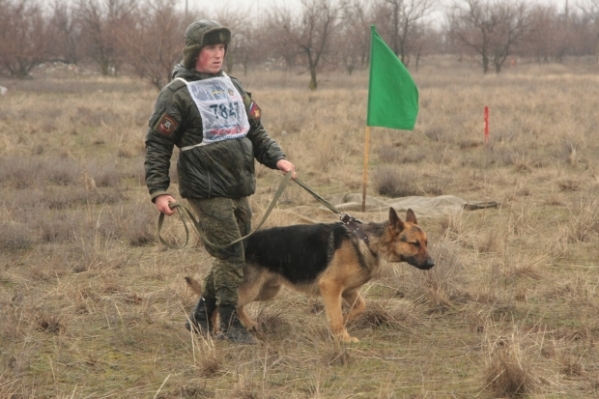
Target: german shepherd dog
point(327, 260)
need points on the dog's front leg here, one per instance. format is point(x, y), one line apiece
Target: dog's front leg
point(331, 296)
point(356, 302)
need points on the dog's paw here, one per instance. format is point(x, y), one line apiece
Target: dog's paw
point(347, 339)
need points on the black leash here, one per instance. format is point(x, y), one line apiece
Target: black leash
point(349, 221)
point(318, 197)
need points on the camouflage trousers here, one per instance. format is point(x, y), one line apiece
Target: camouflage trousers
point(224, 220)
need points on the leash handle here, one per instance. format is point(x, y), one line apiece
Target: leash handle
point(161, 222)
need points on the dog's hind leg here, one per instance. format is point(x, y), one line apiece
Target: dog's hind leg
point(247, 295)
point(259, 291)
point(356, 302)
point(331, 296)
point(269, 290)
point(245, 319)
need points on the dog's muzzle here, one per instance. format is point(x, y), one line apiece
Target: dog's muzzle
point(427, 264)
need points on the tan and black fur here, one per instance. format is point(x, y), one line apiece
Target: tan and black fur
point(326, 260)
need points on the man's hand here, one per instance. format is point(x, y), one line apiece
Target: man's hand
point(287, 167)
point(161, 202)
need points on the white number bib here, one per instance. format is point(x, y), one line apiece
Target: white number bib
point(221, 107)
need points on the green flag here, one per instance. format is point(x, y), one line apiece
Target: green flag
point(392, 94)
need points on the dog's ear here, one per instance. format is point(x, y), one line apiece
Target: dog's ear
point(411, 217)
point(395, 220)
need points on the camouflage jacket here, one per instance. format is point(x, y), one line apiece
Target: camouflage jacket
point(222, 169)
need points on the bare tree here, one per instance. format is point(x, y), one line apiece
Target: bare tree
point(310, 35)
point(154, 43)
point(353, 40)
point(102, 21)
point(279, 33)
point(320, 18)
point(427, 40)
point(247, 47)
point(555, 35)
point(399, 21)
point(544, 34)
point(590, 9)
point(66, 30)
point(491, 29)
point(25, 37)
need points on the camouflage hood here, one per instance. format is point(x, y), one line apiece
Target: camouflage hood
point(201, 33)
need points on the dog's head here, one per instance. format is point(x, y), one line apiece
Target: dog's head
point(408, 241)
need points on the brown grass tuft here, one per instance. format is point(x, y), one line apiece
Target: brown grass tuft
point(571, 366)
point(393, 182)
point(490, 241)
point(16, 236)
point(400, 315)
point(568, 184)
point(583, 223)
point(191, 392)
point(50, 324)
point(507, 372)
point(245, 388)
point(209, 359)
point(338, 354)
point(272, 322)
point(506, 377)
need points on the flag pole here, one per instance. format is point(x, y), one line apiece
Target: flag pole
point(392, 96)
point(365, 175)
point(367, 133)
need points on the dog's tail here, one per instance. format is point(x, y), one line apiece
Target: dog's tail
point(194, 285)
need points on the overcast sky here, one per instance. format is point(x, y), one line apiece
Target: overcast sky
point(255, 7)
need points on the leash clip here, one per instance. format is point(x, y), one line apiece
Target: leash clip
point(346, 218)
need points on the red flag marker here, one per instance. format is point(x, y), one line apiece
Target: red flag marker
point(486, 124)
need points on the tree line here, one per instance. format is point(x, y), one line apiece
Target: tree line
point(145, 37)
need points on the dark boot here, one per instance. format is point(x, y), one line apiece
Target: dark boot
point(231, 328)
point(201, 316)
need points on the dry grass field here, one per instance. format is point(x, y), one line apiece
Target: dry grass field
point(92, 306)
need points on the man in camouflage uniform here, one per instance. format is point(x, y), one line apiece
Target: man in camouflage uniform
point(216, 125)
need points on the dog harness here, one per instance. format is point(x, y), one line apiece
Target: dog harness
point(355, 226)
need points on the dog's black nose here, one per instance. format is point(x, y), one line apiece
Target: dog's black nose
point(430, 263)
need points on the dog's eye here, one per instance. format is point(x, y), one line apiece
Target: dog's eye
point(416, 244)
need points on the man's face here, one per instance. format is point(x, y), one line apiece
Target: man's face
point(211, 58)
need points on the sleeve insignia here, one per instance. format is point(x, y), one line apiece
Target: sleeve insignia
point(166, 125)
point(255, 111)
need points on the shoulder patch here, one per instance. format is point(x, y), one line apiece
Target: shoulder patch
point(166, 125)
point(176, 84)
point(254, 111)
